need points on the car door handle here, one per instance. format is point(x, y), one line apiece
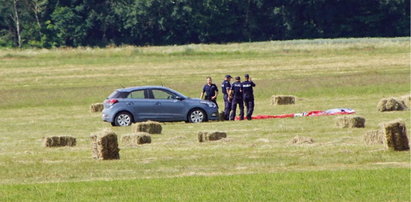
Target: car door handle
point(158, 103)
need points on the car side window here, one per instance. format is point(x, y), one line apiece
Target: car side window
point(160, 94)
point(138, 94)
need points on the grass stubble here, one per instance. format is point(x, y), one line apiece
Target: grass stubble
point(49, 92)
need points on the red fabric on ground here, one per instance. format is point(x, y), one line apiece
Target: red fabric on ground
point(310, 113)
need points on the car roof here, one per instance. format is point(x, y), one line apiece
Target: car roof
point(130, 89)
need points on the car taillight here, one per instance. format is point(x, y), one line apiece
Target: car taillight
point(112, 101)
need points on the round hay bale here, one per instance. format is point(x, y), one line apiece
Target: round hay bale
point(105, 145)
point(151, 127)
point(282, 99)
point(374, 137)
point(136, 139)
point(211, 136)
point(301, 140)
point(391, 104)
point(350, 122)
point(59, 141)
point(97, 107)
point(395, 133)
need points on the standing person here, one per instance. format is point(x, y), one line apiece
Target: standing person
point(248, 86)
point(225, 88)
point(237, 91)
point(210, 91)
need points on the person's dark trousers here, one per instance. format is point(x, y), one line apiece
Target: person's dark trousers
point(227, 107)
point(214, 101)
point(249, 104)
point(240, 103)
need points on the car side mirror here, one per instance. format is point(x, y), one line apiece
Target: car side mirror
point(179, 98)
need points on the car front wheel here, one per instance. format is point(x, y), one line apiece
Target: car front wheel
point(196, 116)
point(123, 119)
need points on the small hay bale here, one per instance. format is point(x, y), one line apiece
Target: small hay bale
point(374, 137)
point(136, 139)
point(211, 136)
point(221, 116)
point(406, 99)
point(391, 104)
point(97, 107)
point(148, 127)
point(59, 141)
point(282, 99)
point(350, 122)
point(395, 134)
point(301, 140)
point(105, 145)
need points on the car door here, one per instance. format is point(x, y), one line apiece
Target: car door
point(167, 106)
point(142, 107)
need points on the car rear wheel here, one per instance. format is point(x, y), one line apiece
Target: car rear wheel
point(123, 119)
point(197, 116)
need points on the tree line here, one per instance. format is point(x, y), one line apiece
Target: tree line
point(72, 23)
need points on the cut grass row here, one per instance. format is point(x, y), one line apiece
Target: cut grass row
point(257, 146)
point(48, 92)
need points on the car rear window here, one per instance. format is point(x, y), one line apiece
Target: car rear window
point(118, 94)
point(138, 94)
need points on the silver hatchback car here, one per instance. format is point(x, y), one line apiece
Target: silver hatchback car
point(128, 105)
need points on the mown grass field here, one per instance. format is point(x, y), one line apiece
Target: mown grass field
point(48, 92)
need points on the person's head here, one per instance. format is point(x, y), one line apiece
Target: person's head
point(209, 80)
point(247, 77)
point(237, 78)
point(228, 77)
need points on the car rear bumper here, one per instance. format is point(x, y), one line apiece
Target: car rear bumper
point(107, 117)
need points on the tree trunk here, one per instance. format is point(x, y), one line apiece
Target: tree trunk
point(36, 10)
point(246, 23)
point(17, 21)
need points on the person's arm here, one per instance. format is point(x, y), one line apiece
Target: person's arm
point(252, 82)
point(227, 88)
point(215, 96)
point(229, 91)
point(215, 92)
point(202, 93)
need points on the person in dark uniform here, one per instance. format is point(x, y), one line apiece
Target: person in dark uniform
point(210, 91)
point(237, 91)
point(225, 88)
point(248, 93)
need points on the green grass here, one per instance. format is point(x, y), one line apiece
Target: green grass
point(48, 92)
point(338, 185)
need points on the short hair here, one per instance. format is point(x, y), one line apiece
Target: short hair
point(208, 77)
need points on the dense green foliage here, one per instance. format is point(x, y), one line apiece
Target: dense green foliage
point(55, 23)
